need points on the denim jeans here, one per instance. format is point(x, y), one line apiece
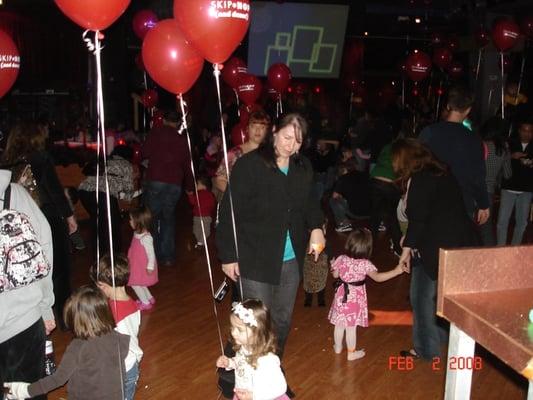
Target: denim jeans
point(161, 198)
point(130, 381)
point(279, 299)
point(340, 209)
point(22, 356)
point(521, 202)
point(428, 330)
point(385, 199)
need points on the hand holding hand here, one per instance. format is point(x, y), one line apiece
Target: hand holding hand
point(72, 224)
point(483, 216)
point(222, 362)
point(243, 394)
point(317, 243)
point(405, 259)
point(17, 390)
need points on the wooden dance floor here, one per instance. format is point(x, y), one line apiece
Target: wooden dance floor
point(180, 341)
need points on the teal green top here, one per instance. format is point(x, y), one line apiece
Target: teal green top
point(288, 253)
point(383, 166)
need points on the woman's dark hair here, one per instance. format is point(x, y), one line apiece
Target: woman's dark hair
point(495, 130)
point(24, 138)
point(410, 156)
point(267, 151)
point(142, 218)
point(359, 243)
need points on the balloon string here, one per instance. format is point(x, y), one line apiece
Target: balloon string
point(145, 81)
point(206, 248)
point(238, 104)
point(524, 55)
point(480, 51)
point(88, 42)
point(280, 104)
point(216, 73)
point(503, 86)
point(101, 134)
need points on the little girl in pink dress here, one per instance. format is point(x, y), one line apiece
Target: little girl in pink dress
point(350, 308)
point(141, 257)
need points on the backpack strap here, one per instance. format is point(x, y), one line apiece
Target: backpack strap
point(7, 197)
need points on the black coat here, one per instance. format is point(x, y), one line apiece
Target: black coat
point(267, 203)
point(437, 218)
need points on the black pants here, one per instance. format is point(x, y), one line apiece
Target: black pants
point(22, 356)
point(88, 200)
point(385, 198)
point(61, 270)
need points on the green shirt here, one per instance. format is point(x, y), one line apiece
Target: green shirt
point(288, 253)
point(383, 166)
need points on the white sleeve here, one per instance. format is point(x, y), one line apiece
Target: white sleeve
point(269, 382)
point(148, 243)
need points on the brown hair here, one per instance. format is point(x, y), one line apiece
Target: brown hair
point(459, 99)
point(104, 273)
point(264, 339)
point(142, 218)
point(410, 156)
point(359, 243)
point(87, 313)
point(259, 117)
point(24, 138)
point(267, 151)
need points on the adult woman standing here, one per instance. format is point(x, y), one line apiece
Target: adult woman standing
point(275, 215)
point(26, 145)
point(437, 218)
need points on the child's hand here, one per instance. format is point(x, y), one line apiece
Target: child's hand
point(243, 394)
point(222, 362)
point(404, 268)
point(400, 269)
point(16, 390)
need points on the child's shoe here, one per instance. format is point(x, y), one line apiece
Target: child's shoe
point(152, 300)
point(142, 306)
point(355, 354)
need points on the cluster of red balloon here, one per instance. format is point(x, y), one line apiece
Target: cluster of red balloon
point(9, 69)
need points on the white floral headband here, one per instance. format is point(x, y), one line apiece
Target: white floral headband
point(246, 315)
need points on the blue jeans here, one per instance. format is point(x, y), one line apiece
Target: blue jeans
point(340, 209)
point(130, 381)
point(161, 198)
point(521, 202)
point(428, 332)
point(279, 299)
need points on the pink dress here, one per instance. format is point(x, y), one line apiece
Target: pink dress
point(355, 311)
point(138, 260)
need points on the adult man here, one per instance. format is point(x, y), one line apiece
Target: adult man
point(26, 315)
point(462, 151)
point(169, 169)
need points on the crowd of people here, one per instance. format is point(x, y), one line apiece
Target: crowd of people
point(267, 202)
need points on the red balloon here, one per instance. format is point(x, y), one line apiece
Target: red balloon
point(143, 21)
point(456, 69)
point(139, 61)
point(233, 70)
point(442, 57)
point(279, 77)
point(527, 26)
point(273, 93)
point(215, 28)
point(505, 34)
point(239, 133)
point(94, 15)
point(418, 66)
point(150, 98)
point(157, 118)
point(169, 59)
point(9, 63)
point(482, 37)
point(249, 89)
point(437, 39)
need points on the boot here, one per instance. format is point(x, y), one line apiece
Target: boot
point(321, 298)
point(308, 299)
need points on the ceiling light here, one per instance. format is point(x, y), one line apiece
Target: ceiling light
point(417, 20)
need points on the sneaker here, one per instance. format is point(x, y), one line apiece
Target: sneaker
point(152, 300)
point(382, 227)
point(199, 245)
point(143, 307)
point(344, 227)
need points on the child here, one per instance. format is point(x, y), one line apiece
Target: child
point(202, 210)
point(349, 308)
point(316, 275)
point(93, 363)
point(141, 257)
point(257, 368)
point(125, 312)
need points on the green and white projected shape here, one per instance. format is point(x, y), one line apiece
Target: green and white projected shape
point(284, 44)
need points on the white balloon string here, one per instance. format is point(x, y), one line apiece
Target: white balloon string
point(524, 54)
point(480, 51)
point(503, 86)
point(88, 42)
point(277, 109)
point(280, 104)
point(144, 107)
point(216, 73)
point(238, 104)
point(101, 133)
point(206, 247)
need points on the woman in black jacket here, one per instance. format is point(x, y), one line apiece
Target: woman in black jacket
point(437, 218)
point(277, 219)
point(27, 145)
